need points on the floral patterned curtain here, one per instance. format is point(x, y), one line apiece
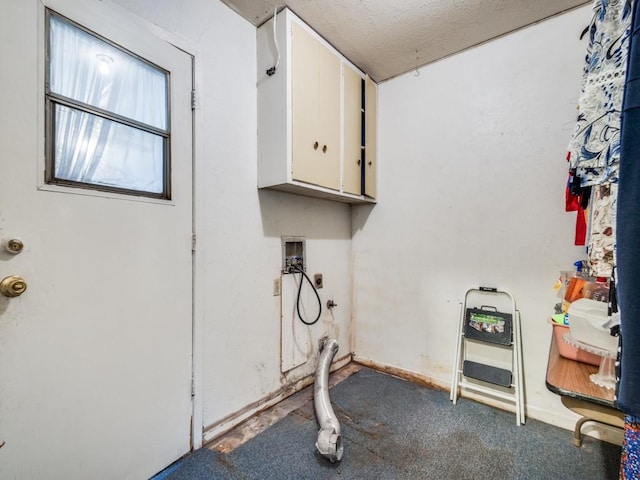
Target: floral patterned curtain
point(594, 150)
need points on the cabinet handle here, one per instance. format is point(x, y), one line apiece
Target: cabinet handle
point(324, 149)
point(315, 146)
point(358, 162)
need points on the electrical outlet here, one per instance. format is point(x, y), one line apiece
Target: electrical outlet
point(276, 287)
point(317, 280)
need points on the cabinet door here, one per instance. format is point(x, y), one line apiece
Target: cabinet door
point(316, 111)
point(371, 137)
point(352, 131)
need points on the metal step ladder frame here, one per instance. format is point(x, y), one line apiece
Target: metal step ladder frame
point(458, 380)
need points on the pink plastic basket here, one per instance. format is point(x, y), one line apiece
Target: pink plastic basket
point(569, 351)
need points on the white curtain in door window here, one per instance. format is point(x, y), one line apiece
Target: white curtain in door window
point(92, 149)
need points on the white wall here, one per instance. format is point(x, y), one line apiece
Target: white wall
point(471, 181)
point(239, 227)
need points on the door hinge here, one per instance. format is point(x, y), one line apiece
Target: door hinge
point(193, 242)
point(193, 99)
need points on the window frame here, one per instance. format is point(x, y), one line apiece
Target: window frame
point(52, 99)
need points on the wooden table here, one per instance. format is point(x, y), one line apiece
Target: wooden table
point(570, 379)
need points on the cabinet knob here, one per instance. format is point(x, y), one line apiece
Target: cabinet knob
point(370, 162)
point(315, 146)
point(324, 149)
point(358, 162)
point(13, 246)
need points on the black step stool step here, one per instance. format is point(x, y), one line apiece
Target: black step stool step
point(487, 373)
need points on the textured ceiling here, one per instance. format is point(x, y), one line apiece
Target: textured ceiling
point(386, 38)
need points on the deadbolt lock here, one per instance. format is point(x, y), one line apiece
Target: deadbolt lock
point(13, 246)
point(13, 286)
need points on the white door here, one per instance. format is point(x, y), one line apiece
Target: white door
point(96, 355)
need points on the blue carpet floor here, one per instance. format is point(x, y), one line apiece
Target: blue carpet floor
point(394, 429)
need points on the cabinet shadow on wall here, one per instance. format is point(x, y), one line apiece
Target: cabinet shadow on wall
point(359, 216)
point(285, 213)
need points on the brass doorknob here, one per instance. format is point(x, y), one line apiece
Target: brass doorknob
point(13, 286)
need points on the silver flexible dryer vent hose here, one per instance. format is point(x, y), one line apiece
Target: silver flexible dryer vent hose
point(329, 442)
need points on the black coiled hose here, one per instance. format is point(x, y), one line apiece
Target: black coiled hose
point(314, 291)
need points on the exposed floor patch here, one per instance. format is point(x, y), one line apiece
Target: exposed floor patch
point(263, 420)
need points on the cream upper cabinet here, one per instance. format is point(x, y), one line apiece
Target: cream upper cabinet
point(371, 138)
point(352, 131)
point(316, 111)
point(310, 115)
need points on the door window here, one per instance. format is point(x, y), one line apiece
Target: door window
point(107, 114)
